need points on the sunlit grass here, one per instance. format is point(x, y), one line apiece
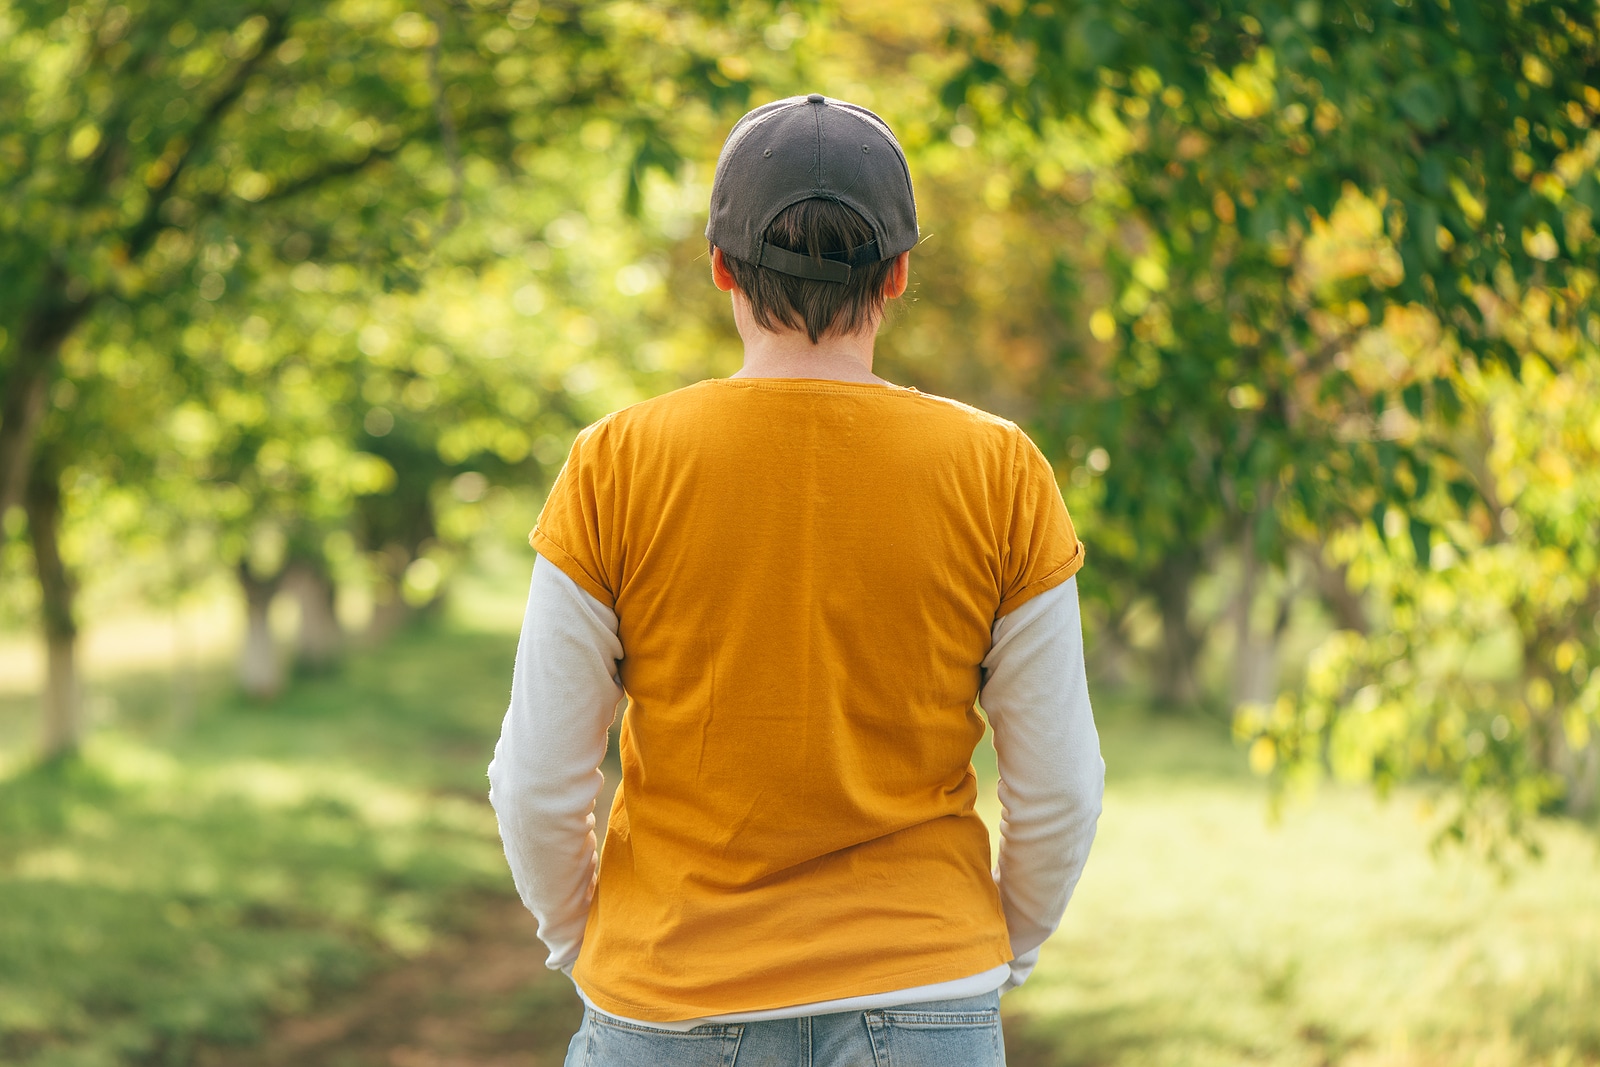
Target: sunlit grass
point(197, 873)
point(181, 881)
point(1204, 934)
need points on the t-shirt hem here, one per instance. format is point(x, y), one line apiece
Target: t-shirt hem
point(971, 986)
point(570, 566)
point(1043, 585)
point(679, 1012)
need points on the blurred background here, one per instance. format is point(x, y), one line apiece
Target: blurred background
point(302, 303)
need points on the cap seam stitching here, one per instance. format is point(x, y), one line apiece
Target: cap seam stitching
point(817, 119)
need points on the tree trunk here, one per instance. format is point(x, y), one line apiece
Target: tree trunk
point(1583, 779)
point(1108, 652)
point(1245, 650)
point(19, 421)
point(320, 642)
point(63, 719)
point(389, 608)
point(1177, 684)
point(1255, 653)
point(1578, 768)
point(22, 401)
point(1333, 584)
point(260, 672)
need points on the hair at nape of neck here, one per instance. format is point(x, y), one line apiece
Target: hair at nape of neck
point(814, 227)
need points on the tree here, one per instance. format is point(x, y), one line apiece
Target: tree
point(1482, 670)
point(62, 699)
point(1230, 143)
point(1290, 186)
point(158, 148)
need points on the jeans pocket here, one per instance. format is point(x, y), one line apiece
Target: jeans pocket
point(615, 1043)
point(913, 1038)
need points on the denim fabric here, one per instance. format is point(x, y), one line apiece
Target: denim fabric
point(937, 1033)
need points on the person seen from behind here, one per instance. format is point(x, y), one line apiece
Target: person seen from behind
point(805, 579)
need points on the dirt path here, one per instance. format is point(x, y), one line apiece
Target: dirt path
point(484, 1000)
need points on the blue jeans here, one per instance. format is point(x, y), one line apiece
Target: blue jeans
point(935, 1033)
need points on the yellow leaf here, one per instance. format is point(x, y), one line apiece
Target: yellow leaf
point(85, 139)
point(1540, 243)
point(1263, 755)
point(252, 185)
point(1577, 730)
point(1102, 325)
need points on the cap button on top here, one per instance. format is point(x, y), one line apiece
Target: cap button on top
point(815, 98)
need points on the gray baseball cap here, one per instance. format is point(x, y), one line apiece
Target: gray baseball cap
point(807, 147)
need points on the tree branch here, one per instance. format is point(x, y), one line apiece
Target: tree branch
point(343, 168)
point(349, 167)
point(447, 123)
point(144, 231)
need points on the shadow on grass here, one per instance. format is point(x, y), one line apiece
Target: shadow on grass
point(184, 879)
point(1564, 1017)
point(481, 998)
point(318, 881)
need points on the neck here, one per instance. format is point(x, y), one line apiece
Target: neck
point(790, 354)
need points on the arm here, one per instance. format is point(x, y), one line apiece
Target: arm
point(545, 775)
point(1036, 697)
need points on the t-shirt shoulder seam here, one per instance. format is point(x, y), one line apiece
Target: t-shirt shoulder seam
point(981, 415)
point(649, 401)
point(1012, 488)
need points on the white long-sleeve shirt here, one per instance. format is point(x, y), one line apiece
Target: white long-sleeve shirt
point(545, 776)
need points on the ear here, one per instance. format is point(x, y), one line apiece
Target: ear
point(721, 276)
point(899, 276)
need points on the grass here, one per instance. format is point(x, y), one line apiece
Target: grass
point(180, 882)
point(1202, 933)
point(192, 877)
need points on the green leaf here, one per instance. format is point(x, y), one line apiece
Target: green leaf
point(1091, 41)
point(1424, 229)
point(1423, 101)
point(1421, 538)
point(1433, 171)
point(1587, 192)
point(1446, 400)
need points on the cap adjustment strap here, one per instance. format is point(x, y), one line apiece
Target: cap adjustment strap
point(832, 267)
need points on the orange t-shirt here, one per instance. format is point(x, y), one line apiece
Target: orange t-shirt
point(805, 575)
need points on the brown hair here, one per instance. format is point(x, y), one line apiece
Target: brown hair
point(812, 227)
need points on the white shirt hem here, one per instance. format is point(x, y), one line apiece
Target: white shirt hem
point(971, 986)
